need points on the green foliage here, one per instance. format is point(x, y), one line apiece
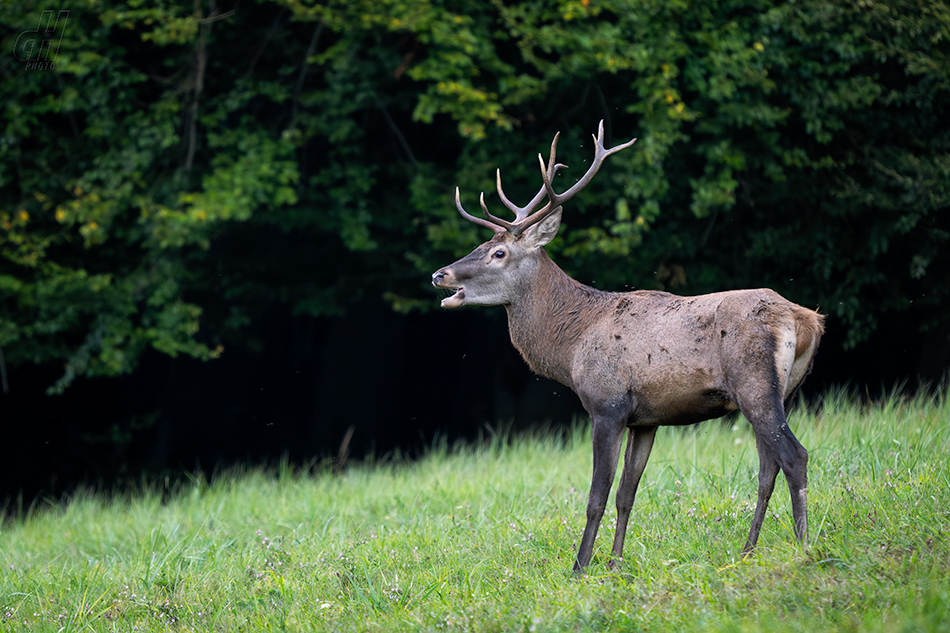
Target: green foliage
point(183, 165)
point(480, 538)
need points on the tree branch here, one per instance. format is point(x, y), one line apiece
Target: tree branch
point(201, 64)
point(3, 373)
point(267, 38)
point(304, 68)
point(398, 134)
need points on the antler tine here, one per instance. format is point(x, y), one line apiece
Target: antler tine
point(600, 153)
point(547, 177)
point(488, 224)
point(520, 212)
point(508, 226)
point(548, 171)
point(524, 219)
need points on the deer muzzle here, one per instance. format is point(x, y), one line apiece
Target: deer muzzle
point(445, 280)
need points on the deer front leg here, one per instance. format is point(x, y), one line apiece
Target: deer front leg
point(639, 445)
point(607, 434)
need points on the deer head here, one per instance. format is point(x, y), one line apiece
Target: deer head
point(497, 270)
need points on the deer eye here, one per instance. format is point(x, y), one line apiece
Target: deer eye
point(499, 254)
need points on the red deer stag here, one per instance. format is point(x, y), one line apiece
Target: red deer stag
point(641, 359)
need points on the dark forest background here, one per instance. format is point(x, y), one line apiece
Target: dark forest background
point(218, 218)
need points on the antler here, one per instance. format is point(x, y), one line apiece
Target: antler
point(493, 223)
point(524, 218)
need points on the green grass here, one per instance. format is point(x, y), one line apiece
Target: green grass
point(481, 538)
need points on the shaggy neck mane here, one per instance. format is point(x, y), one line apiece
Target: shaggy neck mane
point(550, 315)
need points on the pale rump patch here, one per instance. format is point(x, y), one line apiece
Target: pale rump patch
point(785, 360)
point(809, 326)
point(800, 368)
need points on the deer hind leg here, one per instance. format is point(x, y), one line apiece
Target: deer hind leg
point(639, 445)
point(778, 449)
point(766, 374)
point(607, 433)
point(768, 469)
point(794, 355)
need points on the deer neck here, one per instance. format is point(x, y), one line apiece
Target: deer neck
point(549, 317)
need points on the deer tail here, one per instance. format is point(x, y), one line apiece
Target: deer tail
point(809, 326)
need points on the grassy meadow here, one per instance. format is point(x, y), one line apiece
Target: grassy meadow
point(481, 538)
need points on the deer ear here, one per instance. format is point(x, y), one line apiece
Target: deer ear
point(544, 231)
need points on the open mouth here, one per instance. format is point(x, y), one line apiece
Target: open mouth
point(455, 299)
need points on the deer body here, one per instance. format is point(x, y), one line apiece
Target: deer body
point(643, 359)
